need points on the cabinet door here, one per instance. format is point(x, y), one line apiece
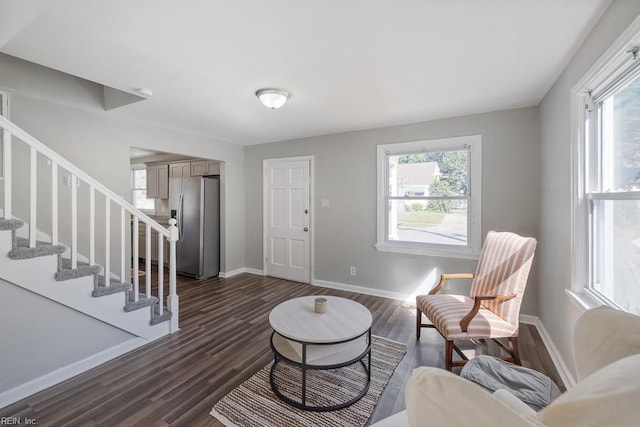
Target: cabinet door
point(180, 169)
point(198, 168)
point(213, 168)
point(163, 181)
point(152, 182)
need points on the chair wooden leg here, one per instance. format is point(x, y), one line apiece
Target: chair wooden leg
point(515, 350)
point(418, 322)
point(448, 357)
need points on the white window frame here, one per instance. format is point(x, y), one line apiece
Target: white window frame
point(472, 250)
point(133, 188)
point(605, 74)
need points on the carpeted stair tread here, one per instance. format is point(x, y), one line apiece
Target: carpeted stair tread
point(142, 302)
point(159, 318)
point(21, 249)
point(65, 263)
point(101, 290)
point(83, 269)
point(10, 224)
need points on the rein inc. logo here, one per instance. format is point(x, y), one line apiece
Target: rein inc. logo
point(17, 421)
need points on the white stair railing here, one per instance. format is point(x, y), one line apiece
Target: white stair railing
point(74, 177)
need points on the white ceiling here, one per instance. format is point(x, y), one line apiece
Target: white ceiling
point(349, 64)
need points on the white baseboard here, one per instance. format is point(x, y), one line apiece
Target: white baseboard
point(227, 274)
point(565, 374)
point(363, 290)
point(52, 378)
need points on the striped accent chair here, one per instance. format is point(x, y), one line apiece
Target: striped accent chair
point(492, 309)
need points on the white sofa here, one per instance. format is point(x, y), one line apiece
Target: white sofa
point(607, 354)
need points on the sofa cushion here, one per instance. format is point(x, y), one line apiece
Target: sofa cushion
point(439, 398)
point(602, 336)
point(608, 397)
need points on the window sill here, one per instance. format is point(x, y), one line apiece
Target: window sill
point(444, 253)
point(584, 300)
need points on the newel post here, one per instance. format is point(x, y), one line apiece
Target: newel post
point(172, 298)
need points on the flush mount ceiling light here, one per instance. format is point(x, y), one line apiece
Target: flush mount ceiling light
point(272, 98)
point(145, 93)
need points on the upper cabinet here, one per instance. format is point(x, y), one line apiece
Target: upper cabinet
point(205, 167)
point(179, 169)
point(158, 182)
point(158, 174)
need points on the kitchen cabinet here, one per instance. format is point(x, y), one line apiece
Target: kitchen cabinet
point(205, 167)
point(158, 182)
point(179, 169)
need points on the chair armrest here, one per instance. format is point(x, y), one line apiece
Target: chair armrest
point(466, 320)
point(435, 397)
point(445, 277)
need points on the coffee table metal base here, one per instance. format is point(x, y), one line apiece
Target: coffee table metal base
point(304, 367)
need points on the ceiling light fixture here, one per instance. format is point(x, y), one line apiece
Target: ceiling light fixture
point(145, 93)
point(272, 98)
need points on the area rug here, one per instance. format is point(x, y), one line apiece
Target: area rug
point(253, 403)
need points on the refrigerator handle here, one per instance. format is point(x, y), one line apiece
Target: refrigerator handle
point(180, 217)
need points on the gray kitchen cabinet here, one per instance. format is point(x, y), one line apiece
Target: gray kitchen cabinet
point(180, 169)
point(205, 167)
point(158, 181)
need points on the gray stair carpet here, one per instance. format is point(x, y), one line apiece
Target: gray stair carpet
point(10, 224)
point(115, 286)
point(21, 249)
point(143, 301)
point(65, 272)
point(159, 318)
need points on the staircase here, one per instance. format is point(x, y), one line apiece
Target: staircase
point(70, 256)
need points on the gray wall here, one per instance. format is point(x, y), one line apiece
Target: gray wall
point(557, 313)
point(345, 173)
point(40, 336)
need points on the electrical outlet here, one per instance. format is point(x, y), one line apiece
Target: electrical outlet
point(352, 270)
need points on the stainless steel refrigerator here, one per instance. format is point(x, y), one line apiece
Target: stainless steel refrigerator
point(195, 204)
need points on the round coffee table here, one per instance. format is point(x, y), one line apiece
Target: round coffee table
point(306, 340)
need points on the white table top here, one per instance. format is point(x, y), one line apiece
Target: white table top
point(296, 319)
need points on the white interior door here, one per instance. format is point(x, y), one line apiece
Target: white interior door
point(287, 218)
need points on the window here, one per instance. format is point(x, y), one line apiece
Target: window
point(607, 206)
point(139, 190)
point(429, 197)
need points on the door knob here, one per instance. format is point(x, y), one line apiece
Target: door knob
point(306, 229)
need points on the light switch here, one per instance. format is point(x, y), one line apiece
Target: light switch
point(325, 203)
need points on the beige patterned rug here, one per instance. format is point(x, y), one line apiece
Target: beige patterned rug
point(253, 403)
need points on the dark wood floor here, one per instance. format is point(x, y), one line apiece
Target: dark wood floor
point(224, 339)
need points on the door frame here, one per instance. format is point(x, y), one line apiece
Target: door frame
point(265, 164)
